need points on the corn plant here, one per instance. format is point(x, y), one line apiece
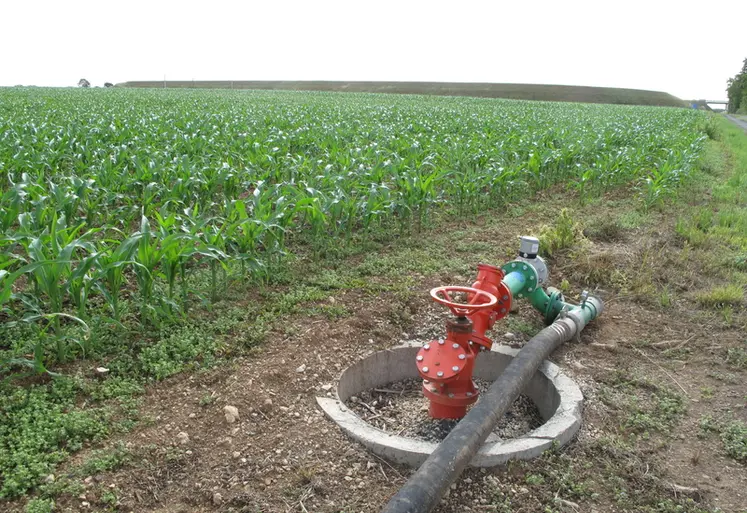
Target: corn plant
point(212, 244)
point(80, 282)
point(110, 268)
point(238, 181)
point(54, 252)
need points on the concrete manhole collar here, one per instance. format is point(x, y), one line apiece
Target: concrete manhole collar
point(557, 397)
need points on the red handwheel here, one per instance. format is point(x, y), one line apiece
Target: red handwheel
point(479, 300)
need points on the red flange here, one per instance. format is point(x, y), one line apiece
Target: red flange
point(440, 360)
point(446, 365)
point(504, 301)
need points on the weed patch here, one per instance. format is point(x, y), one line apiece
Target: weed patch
point(642, 406)
point(37, 505)
point(733, 435)
point(565, 233)
point(605, 230)
point(722, 296)
point(736, 357)
point(39, 426)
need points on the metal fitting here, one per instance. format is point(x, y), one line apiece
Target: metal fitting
point(528, 252)
point(528, 246)
point(596, 303)
point(578, 320)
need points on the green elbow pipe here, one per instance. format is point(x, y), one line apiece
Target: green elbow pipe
point(521, 281)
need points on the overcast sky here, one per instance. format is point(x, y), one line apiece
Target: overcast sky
point(686, 48)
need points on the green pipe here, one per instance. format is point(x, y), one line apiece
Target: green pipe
point(515, 282)
point(542, 302)
point(549, 305)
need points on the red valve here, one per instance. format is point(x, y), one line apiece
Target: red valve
point(464, 309)
point(489, 279)
point(446, 365)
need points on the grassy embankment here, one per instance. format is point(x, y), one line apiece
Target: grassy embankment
point(536, 92)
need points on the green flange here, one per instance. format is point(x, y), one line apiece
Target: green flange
point(555, 305)
point(521, 279)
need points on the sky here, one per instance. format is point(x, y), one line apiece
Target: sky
point(686, 48)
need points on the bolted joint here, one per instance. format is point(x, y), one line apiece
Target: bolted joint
point(459, 325)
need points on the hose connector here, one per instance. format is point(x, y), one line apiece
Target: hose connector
point(590, 308)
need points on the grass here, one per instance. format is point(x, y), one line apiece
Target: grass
point(523, 326)
point(721, 296)
point(604, 471)
point(736, 357)
point(632, 219)
point(647, 407)
point(605, 230)
point(719, 227)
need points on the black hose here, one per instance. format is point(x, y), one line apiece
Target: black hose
point(424, 489)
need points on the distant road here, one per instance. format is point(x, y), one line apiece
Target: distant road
point(738, 121)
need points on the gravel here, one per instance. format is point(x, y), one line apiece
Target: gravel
point(401, 408)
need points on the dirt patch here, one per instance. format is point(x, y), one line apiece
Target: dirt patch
point(401, 408)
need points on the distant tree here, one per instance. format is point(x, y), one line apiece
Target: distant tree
point(737, 90)
point(84, 83)
point(108, 84)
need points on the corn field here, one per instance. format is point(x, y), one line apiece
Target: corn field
point(115, 201)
